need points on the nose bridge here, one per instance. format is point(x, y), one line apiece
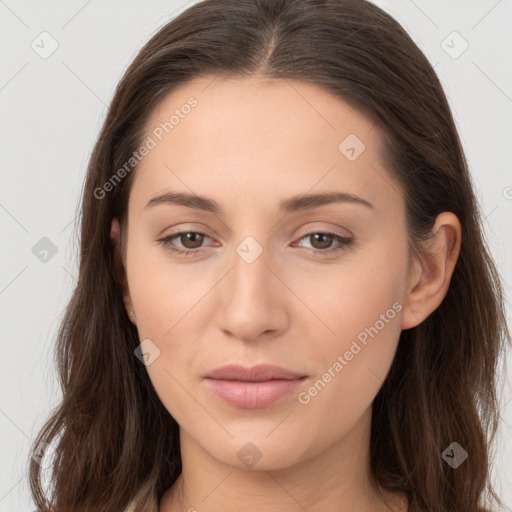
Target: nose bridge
point(249, 292)
point(249, 280)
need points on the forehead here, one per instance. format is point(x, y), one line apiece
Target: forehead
point(287, 109)
point(259, 138)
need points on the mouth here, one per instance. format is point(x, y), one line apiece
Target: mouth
point(253, 388)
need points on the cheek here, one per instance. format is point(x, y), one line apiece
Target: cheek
point(348, 297)
point(161, 292)
point(361, 304)
point(350, 368)
point(165, 299)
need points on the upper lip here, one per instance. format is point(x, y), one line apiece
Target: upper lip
point(258, 373)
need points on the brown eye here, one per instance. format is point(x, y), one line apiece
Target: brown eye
point(321, 241)
point(191, 239)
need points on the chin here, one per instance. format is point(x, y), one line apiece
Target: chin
point(258, 452)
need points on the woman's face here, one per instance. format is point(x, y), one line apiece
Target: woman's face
point(252, 289)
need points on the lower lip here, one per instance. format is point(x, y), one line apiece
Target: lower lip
point(253, 395)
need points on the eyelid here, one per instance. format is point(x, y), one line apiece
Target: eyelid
point(313, 230)
point(335, 230)
point(344, 243)
point(185, 228)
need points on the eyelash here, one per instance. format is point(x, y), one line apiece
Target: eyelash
point(345, 243)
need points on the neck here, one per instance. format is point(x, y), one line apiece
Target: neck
point(335, 480)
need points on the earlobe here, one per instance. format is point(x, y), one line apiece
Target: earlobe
point(119, 267)
point(434, 268)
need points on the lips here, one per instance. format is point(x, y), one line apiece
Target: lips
point(252, 387)
point(257, 373)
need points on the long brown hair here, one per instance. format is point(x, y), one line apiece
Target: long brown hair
point(113, 442)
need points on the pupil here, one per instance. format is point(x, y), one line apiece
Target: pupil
point(190, 236)
point(326, 242)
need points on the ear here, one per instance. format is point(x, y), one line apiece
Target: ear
point(430, 278)
point(119, 267)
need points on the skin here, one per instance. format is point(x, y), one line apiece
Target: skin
point(248, 145)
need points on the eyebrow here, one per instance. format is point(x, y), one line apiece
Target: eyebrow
point(290, 205)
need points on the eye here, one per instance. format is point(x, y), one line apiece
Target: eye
point(192, 243)
point(322, 242)
point(193, 240)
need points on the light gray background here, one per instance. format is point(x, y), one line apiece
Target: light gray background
point(51, 110)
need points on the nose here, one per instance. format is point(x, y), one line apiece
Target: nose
point(252, 301)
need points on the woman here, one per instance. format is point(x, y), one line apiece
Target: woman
point(285, 301)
